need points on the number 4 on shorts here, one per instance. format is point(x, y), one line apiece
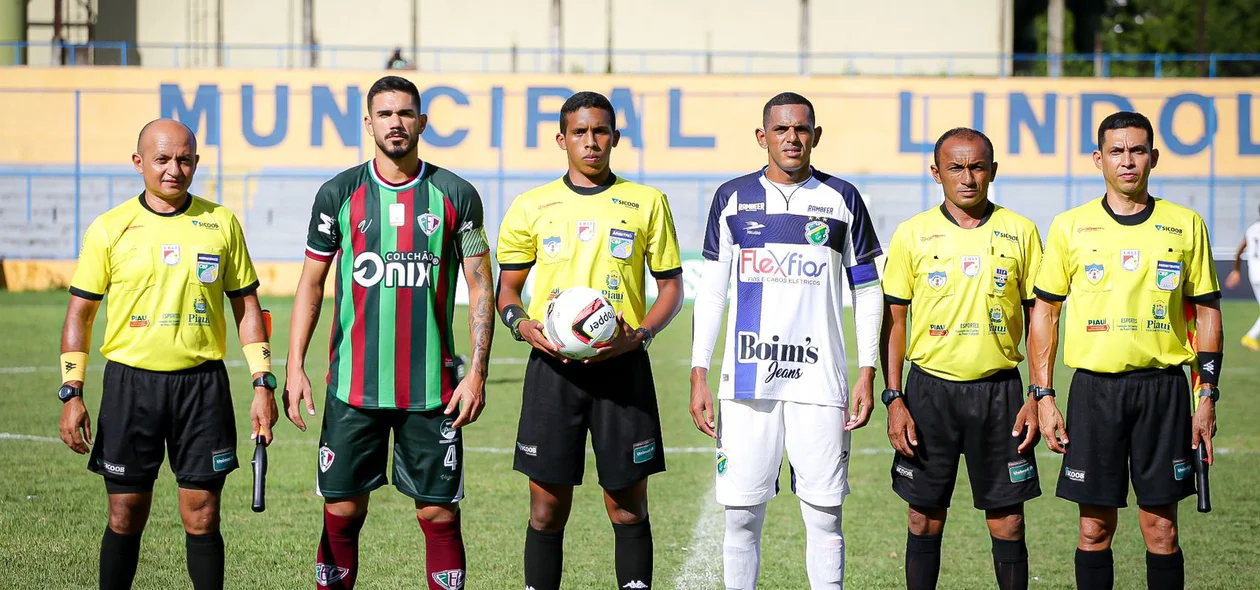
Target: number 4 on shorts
point(450, 460)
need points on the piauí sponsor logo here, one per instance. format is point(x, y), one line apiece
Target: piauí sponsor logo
point(938, 330)
point(1096, 325)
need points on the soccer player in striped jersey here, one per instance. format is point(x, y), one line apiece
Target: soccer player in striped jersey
point(789, 236)
point(398, 230)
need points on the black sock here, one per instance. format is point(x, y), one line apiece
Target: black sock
point(1010, 564)
point(923, 561)
point(1165, 572)
point(544, 558)
point(1094, 570)
point(205, 560)
point(119, 556)
point(634, 554)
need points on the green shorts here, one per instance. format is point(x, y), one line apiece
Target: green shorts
point(354, 453)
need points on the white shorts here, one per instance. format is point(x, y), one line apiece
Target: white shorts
point(752, 435)
point(1255, 281)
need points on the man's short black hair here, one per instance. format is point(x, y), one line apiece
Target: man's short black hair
point(786, 98)
point(586, 100)
point(393, 84)
point(1125, 120)
point(964, 133)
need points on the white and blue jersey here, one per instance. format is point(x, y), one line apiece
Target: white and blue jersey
point(785, 247)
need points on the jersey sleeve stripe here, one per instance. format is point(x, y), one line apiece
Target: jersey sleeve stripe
point(1048, 296)
point(515, 265)
point(665, 274)
point(314, 254)
point(895, 300)
point(246, 290)
point(90, 296)
point(862, 275)
point(1204, 298)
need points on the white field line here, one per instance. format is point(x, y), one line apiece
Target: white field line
point(703, 566)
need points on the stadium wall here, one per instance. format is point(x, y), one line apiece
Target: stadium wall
point(269, 139)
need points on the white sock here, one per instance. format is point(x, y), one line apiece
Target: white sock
point(824, 546)
point(1254, 332)
point(741, 549)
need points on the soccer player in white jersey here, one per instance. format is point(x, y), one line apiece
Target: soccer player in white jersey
point(786, 234)
point(1251, 246)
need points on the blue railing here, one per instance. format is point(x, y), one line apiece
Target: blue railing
point(640, 61)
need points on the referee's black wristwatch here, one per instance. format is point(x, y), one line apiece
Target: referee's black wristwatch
point(1039, 392)
point(1211, 392)
point(68, 392)
point(266, 380)
point(889, 395)
point(647, 337)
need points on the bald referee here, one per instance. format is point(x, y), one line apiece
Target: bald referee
point(165, 259)
point(1131, 264)
point(962, 273)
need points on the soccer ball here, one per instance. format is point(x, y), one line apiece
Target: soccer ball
point(579, 322)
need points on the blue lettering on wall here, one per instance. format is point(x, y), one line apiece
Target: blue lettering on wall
point(1174, 143)
point(496, 117)
point(431, 135)
point(346, 123)
point(977, 111)
point(205, 106)
point(533, 117)
point(278, 130)
point(1022, 115)
point(905, 141)
point(1246, 147)
point(676, 137)
point(1088, 139)
point(628, 122)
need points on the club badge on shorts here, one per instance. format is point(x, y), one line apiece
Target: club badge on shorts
point(1094, 273)
point(1167, 275)
point(207, 268)
point(970, 265)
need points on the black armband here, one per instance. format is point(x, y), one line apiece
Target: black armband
point(512, 316)
point(1210, 367)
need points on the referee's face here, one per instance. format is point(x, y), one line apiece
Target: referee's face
point(965, 171)
point(167, 159)
point(1126, 159)
point(588, 139)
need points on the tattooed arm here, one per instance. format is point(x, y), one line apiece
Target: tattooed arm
point(470, 395)
point(306, 306)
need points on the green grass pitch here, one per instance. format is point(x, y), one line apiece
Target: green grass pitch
point(53, 511)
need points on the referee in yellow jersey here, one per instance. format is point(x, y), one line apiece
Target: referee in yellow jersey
point(963, 274)
point(165, 259)
point(1132, 266)
point(589, 228)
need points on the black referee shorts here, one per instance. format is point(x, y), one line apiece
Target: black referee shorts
point(1122, 425)
point(970, 418)
point(145, 414)
point(614, 399)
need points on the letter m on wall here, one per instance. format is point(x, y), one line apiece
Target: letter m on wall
point(205, 105)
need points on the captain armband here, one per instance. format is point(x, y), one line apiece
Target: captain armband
point(258, 355)
point(1210, 367)
point(73, 366)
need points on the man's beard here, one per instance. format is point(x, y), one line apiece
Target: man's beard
point(395, 152)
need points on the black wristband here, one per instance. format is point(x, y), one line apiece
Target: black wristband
point(1210, 367)
point(512, 316)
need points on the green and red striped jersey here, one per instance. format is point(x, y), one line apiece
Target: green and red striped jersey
point(398, 250)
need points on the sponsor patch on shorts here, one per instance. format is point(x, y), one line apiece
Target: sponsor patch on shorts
point(224, 460)
point(1077, 475)
point(904, 471)
point(644, 451)
point(1021, 471)
point(1181, 469)
point(529, 450)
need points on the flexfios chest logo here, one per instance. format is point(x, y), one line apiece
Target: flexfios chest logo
point(763, 265)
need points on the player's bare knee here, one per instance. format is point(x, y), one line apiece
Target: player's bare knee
point(623, 516)
point(200, 513)
point(128, 513)
point(1006, 524)
point(927, 521)
point(548, 516)
point(347, 507)
point(1160, 536)
point(1095, 535)
point(437, 512)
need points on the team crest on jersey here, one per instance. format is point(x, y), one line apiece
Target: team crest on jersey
point(199, 304)
point(207, 268)
point(613, 280)
point(970, 266)
point(428, 223)
point(170, 254)
point(620, 243)
point(1159, 311)
point(995, 315)
point(1167, 275)
point(1000, 276)
point(551, 245)
point(817, 232)
point(326, 456)
point(586, 230)
point(937, 280)
point(449, 579)
point(1094, 273)
point(1129, 259)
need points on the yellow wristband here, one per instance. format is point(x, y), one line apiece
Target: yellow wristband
point(73, 366)
point(258, 355)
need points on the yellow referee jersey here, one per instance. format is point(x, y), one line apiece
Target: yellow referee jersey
point(965, 288)
point(165, 275)
point(596, 237)
point(1128, 278)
